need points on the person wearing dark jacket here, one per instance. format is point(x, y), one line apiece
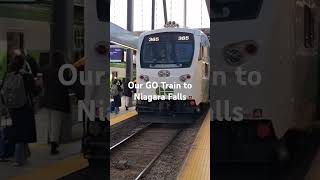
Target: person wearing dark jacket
point(115, 93)
point(23, 130)
point(127, 93)
point(34, 67)
point(56, 100)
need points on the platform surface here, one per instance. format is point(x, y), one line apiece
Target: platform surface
point(197, 163)
point(43, 166)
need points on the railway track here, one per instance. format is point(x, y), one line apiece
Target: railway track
point(132, 157)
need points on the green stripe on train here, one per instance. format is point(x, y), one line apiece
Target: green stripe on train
point(26, 14)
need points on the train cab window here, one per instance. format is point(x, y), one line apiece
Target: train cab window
point(235, 10)
point(309, 22)
point(167, 50)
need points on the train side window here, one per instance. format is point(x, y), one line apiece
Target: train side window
point(308, 28)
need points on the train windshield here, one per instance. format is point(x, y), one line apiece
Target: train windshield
point(235, 10)
point(167, 50)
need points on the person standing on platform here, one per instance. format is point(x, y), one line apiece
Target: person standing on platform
point(17, 91)
point(56, 100)
point(127, 93)
point(116, 95)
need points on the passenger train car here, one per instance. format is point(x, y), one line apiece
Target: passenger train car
point(274, 46)
point(167, 60)
point(27, 27)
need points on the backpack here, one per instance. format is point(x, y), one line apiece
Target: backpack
point(114, 91)
point(13, 91)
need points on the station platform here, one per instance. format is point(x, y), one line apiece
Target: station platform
point(43, 166)
point(197, 163)
point(123, 113)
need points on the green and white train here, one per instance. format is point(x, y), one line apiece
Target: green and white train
point(27, 27)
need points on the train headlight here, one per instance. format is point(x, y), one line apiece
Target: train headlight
point(183, 78)
point(144, 77)
point(237, 53)
point(251, 49)
point(233, 56)
point(102, 48)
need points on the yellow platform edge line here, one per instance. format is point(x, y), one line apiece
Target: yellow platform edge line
point(200, 148)
point(69, 165)
point(122, 117)
point(57, 170)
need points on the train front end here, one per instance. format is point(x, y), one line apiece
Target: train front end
point(168, 84)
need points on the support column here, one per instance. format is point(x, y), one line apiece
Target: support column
point(129, 65)
point(208, 6)
point(185, 13)
point(129, 28)
point(62, 27)
point(165, 11)
point(153, 12)
point(62, 40)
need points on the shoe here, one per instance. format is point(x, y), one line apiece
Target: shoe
point(28, 153)
point(54, 148)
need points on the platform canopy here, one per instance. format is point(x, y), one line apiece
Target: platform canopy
point(123, 37)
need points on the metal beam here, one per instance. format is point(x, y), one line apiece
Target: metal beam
point(185, 13)
point(62, 40)
point(129, 15)
point(165, 11)
point(153, 11)
point(129, 28)
point(208, 6)
point(62, 28)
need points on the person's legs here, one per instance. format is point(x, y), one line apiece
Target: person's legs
point(20, 154)
point(28, 152)
point(127, 102)
point(55, 129)
point(116, 110)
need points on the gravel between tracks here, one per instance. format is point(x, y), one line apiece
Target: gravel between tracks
point(122, 130)
point(171, 160)
point(128, 160)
